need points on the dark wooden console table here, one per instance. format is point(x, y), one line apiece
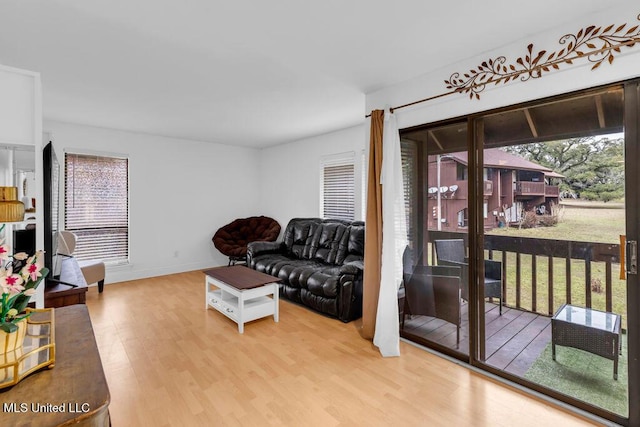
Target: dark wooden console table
point(60, 295)
point(76, 383)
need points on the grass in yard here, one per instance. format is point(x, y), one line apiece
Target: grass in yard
point(585, 376)
point(580, 221)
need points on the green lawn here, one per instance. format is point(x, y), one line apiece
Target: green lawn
point(584, 376)
point(579, 221)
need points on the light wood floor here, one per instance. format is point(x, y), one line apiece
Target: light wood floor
point(170, 362)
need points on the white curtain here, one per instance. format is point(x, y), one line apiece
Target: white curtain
point(394, 240)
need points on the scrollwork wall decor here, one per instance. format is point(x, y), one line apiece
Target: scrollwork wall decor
point(595, 44)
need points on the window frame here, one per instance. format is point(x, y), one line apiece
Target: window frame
point(338, 160)
point(122, 260)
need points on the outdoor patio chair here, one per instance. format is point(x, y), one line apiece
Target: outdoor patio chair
point(432, 291)
point(452, 252)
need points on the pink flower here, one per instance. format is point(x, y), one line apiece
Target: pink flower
point(31, 271)
point(4, 252)
point(12, 283)
point(20, 256)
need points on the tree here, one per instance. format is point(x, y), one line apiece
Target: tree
point(593, 166)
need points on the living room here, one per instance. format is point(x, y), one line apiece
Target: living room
point(183, 189)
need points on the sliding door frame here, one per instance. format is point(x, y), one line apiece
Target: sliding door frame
point(476, 249)
point(475, 150)
point(632, 182)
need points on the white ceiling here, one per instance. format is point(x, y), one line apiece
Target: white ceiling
point(249, 72)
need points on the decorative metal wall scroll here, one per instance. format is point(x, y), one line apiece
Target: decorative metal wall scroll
point(595, 44)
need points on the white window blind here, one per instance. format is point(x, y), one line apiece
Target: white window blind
point(97, 206)
point(338, 187)
point(409, 154)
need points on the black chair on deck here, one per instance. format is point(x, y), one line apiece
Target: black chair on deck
point(432, 291)
point(452, 252)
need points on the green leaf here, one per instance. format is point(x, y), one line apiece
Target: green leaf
point(8, 327)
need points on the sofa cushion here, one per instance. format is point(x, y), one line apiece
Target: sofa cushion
point(322, 284)
point(265, 263)
point(328, 243)
point(355, 244)
point(298, 235)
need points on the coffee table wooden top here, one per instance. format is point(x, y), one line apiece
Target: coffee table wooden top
point(240, 276)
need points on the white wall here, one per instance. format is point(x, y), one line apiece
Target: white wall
point(188, 189)
point(290, 173)
point(568, 78)
point(180, 193)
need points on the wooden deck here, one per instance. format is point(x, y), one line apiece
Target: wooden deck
point(513, 341)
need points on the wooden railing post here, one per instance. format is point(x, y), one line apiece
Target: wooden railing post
point(608, 287)
point(504, 278)
point(587, 281)
point(534, 283)
point(550, 309)
point(568, 279)
point(518, 280)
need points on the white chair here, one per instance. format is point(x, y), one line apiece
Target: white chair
point(92, 270)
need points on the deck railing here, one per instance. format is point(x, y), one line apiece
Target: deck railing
point(558, 270)
point(526, 188)
point(552, 191)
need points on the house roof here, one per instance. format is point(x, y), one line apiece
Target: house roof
point(497, 158)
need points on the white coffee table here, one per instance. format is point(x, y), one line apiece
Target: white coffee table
point(241, 294)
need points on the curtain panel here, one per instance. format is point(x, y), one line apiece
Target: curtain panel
point(394, 241)
point(373, 229)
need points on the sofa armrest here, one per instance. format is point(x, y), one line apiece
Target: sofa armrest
point(351, 275)
point(353, 267)
point(260, 247)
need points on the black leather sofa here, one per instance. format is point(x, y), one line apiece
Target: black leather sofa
point(320, 265)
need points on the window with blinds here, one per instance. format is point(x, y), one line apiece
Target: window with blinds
point(409, 154)
point(337, 199)
point(97, 206)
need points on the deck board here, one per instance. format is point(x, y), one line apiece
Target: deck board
point(521, 364)
point(514, 340)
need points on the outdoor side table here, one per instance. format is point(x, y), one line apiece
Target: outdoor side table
point(586, 329)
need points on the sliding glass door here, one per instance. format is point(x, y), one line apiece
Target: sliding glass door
point(552, 240)
point(435, 308)
point(523, 225)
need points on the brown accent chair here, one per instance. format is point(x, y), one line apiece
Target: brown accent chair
point(232, 239)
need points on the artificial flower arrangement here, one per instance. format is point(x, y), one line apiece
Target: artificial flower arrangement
point(20, 275)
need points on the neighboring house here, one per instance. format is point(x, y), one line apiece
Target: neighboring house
point(512, 186)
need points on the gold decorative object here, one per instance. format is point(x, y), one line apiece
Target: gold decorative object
point(596, 44)
point(11, 209)
point(10, 341)
point(36, 352)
